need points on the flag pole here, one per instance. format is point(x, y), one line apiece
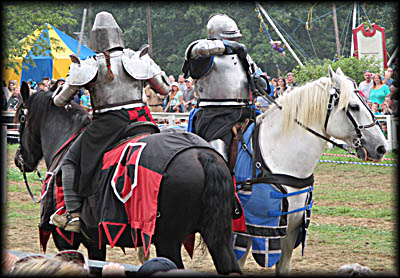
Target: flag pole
point(81, 33)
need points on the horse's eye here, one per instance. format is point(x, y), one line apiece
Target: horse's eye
point(354, 106)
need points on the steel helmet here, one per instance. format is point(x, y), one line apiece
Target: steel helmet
point(106, 33)
point(221, 26)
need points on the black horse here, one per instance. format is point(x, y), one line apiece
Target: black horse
point(196, 193)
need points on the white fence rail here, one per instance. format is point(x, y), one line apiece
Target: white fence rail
point(174, 118)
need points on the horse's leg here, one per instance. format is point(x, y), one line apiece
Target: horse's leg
point(179, 204)
point(94, 253)
point(287, 246)
point(287, 243)
point(242, 260)
point(170, 249)
point(216, 219)
point(142, 258)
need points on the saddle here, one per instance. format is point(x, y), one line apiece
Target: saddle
point(238, 129)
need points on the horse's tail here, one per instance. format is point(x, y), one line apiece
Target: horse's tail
point(217, 199)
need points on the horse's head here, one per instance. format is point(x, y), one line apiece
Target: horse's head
point(29, 151)
point(350, 119)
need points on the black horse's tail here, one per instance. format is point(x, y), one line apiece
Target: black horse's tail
point(217, 199)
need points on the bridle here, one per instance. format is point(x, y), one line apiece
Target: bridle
point(23, 112)
point(334, 95)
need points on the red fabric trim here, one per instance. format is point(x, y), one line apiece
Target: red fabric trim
point(110, 240)
point(69, 240)
point(43, 239)
point(60, 202)
point(73, 136)
point(146, 248)
point(100, 236)
point(238, 225)
point(45, 185)
point(142, 206)
point(112, 157)
point(134, 240)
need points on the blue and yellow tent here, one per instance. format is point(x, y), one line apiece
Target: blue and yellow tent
point(45, 65)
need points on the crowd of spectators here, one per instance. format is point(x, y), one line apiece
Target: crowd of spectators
point(11, 96)
point(380, 93)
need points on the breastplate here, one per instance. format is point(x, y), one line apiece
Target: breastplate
point(122, 89)
point(225, 80)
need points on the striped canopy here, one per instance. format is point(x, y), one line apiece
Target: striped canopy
point(45, 65)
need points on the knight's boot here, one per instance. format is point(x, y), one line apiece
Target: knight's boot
point(69, 221)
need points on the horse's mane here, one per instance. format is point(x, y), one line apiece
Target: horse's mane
point(42, 101)
point(308, 103)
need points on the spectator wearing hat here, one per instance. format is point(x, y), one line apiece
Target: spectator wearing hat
point(174, 99)
point(188, 95)
point(290, 82)
point(366, 85)
point(155, 265)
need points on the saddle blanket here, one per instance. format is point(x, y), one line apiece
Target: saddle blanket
point(265, 207)
point(132, 173)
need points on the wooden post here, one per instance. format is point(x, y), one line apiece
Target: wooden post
point(336, 31)
point(149, 38)
point(353, 26)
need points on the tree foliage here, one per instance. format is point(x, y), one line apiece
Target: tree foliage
point(351, 67)
point(21, 20)
point(174, 25)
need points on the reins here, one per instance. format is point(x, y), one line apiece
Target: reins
point(22, 120)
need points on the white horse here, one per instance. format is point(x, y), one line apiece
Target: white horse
point(287, 148)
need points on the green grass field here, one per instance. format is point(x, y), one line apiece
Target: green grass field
point(354, 209)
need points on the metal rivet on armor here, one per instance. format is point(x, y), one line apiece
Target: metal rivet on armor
point(237, 211)
point(158, 214)
point(258, 164)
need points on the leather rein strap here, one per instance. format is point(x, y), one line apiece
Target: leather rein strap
point(22, 120)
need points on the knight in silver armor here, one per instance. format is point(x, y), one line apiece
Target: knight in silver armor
point(220, 67)
point(115, 78)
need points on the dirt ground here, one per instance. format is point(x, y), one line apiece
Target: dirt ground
point(321, 256)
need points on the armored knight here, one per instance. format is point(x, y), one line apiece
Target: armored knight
point(222, 71)
point(115, 78)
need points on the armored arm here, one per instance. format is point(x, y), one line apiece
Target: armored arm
point(160, 83)
point(206, 48)
point(64, 94)
point(80, 73)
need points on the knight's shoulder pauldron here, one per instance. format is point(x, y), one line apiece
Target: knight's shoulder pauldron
point(138, 64)
point(83, 72)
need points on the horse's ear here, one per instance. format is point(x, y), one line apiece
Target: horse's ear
point(25, 91)
point(339, 71)
point(144, 49)
point(74, 59)
point(332, 73)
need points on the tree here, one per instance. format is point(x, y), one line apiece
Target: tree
point(351, 67)
point(19, 22)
